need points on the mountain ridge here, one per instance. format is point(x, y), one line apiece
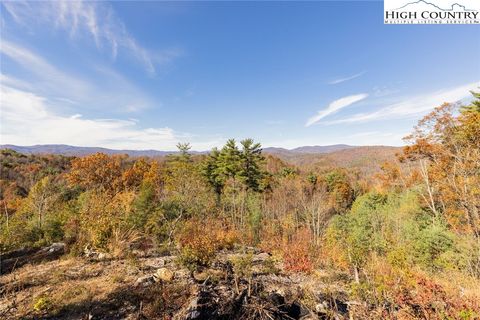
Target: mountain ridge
point(69, 150)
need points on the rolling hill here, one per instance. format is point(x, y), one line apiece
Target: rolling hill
point(365, 158)
point(69, 150)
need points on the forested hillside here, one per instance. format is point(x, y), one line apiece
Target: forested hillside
point(381, 233)
point(66, 150)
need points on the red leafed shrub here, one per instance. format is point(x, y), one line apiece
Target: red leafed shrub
point(297, 252)
point(429, 300)
point(398, 293)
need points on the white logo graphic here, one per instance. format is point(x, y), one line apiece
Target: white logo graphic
point(431, 12)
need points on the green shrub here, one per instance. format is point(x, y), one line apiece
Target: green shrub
point(431, 246)
point(242, 265)
point(394, 226)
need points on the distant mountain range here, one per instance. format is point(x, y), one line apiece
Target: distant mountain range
point(310, 149)
point(366, 159)
point(68, 150)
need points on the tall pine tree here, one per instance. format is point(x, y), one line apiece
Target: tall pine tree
point(475, 105)
point(212, 173)
point(251, 160)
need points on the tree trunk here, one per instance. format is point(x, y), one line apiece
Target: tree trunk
point(357, 277)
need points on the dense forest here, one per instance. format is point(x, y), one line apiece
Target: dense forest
point(401, 239)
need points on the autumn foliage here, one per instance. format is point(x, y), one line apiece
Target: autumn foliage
point(405, 234)
point(297, 253)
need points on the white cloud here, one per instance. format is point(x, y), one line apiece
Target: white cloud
point(340, 80)
point(413, 106)
point(107, 89)
point(47, 108)
point(335, 106)
point(92, 19)
point(26, 120)
point(8, 80)
point(52, 78)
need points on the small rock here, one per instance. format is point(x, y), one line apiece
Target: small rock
point(87, 252)
point(163, 274)
point(144, 281)
point(159, 262)
point(56, 247)
point(193, 315)
point(260, 257)
point(322, 307)
point(105, 256)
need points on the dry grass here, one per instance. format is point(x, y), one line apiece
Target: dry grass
point(460, 284)
point(75, 288)
point(32, 291)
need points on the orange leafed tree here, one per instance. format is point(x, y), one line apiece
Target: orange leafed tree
point(97, 171)
point(141, 171)
point(447, 146)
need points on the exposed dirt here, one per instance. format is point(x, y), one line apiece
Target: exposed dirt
point(15, 259)
point(157, 287)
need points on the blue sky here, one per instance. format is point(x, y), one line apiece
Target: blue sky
point(146, 75)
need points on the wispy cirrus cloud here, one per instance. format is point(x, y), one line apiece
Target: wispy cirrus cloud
point(90, 19)
point(39, 68)
point(413, 106)
point(335, 106)
point(108, 89)
point(343, 79)
point(46, 107)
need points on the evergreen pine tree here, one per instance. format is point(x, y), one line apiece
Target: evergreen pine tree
point(183, 152)
point(211, 171)
point(228, 168)
point(475, 105)
point(251, 159)
point(229, 161)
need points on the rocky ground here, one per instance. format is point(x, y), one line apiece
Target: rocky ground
point(240, 284)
